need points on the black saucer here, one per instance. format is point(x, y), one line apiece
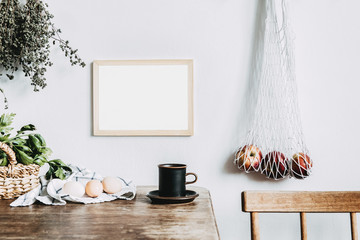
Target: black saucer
point(156, 199)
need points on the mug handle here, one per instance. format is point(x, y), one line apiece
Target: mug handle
point(190, 173)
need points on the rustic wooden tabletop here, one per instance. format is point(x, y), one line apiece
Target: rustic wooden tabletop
point(119, 219)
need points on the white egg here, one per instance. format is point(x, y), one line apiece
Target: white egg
point(111, 184)
point(74, 189)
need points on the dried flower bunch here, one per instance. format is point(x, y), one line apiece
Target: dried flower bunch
point(26, 32)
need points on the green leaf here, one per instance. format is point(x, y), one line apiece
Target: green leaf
point(24, 148)
point(39, 162)
point(58, 162)
point(3, 159)
point(41, 139)
point(45, 151)
point(5, 122)
point(18, 141)
point(23, 157)
point(28, 127)
point(4, 138)
point(41, 158)
point(58, 169)
point(5, 130)
point(6, 119)
point(49, 173)
point(35, 143)
point(60, 174)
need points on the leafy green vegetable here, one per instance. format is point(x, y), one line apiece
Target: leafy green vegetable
point(45, 151)
point(5, 122)
point(35, 143)
point(3, 159)
point(23, 157)
point(58, 169)
point(28, 127)
point(50, 173)
point(40, 160)
point(41, 139)
point(18, 141)
point(7, 119)
point(23, 148)
point(29, 148)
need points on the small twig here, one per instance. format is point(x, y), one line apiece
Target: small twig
point(5, 99)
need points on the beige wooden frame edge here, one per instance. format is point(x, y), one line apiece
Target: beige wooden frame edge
point(95, 98)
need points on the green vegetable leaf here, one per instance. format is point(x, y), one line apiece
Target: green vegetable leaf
point(5, 122)
point(41, 139)
point(18, 141)
point(4, 138)
point(46, 151)
point(50, 173)
point(28, 127)
point(23, 157)
point(60, 173)
point(58, 162)
point(3, 159)
point(6, 119)
point(5, 130)
point(24, 148)
point(35, 143)
point(41, 158)
point(29, 148)
point(39, 162)
point(58, 169)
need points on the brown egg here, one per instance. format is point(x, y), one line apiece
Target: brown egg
point(111, 184)
point(93, 188)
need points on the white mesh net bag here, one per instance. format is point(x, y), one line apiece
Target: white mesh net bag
point(274, 144)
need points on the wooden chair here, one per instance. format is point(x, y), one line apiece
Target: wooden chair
point(302, 202)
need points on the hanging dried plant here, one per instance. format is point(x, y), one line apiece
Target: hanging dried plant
point(5, 99)
point(26, 33)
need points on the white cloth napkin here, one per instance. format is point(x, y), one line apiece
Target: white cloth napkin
point(49, 192)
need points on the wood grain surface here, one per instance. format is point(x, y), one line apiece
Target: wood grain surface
point(313, 202)
point(331, 201)
point(119, 219)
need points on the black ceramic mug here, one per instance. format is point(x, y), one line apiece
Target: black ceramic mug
point(172, 180)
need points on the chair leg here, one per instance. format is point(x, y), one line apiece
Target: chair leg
point(254, 219)
point(354, 232)
point(303, 226)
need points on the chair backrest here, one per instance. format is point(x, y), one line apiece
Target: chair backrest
point(300, 202)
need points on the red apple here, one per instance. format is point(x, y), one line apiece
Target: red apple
point(301, 165)
point(275, 165)
point(248, 158)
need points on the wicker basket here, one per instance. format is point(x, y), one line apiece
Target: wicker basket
point(16, 178)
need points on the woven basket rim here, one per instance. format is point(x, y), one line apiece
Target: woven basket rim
point(14, 169)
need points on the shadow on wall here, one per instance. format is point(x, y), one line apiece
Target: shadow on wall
point(247, 109)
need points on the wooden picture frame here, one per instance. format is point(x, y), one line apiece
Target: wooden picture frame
point(143, 97)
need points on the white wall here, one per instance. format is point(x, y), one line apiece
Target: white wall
point(218, 35)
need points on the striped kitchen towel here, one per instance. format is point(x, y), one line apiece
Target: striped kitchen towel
point(50, 192)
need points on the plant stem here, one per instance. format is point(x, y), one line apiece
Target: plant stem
point(5, 99)
point(17, 136)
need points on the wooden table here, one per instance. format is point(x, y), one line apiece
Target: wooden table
point(120, 219)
